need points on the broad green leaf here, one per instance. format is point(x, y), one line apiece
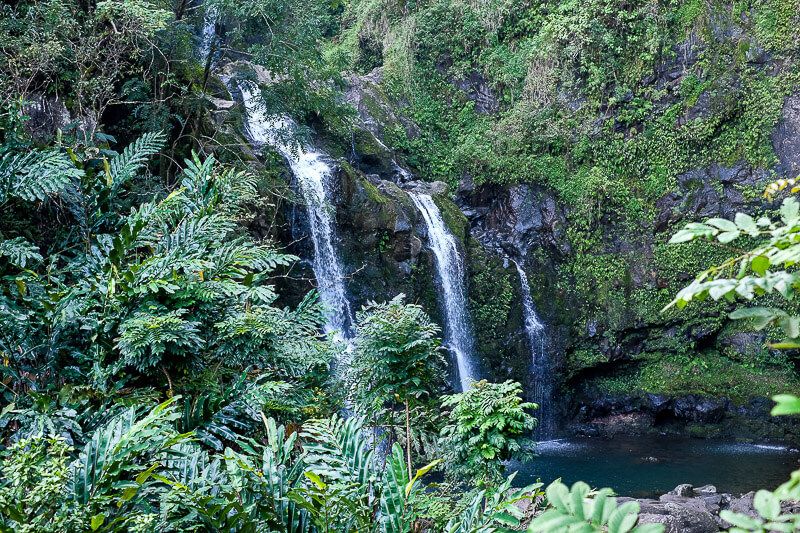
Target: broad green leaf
point(740, 520)
point(767, 504)
point(557, 494)
point(722, 224)
point(728, 236)
point(315, 479)
point(421, 472)
point(141, 478)
point(97, 521)
point(789, 211)
point(746, 223)
point(790, 326)
point(760, 264)
point(786, 404)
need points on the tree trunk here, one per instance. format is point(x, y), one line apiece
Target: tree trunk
point(408, 441)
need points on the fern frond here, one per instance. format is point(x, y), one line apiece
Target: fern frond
point(19, 252)
point(124, 167)
point(338, 450)
point(145, 337)
point(35, 174)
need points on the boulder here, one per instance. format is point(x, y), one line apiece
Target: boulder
point(684, 490)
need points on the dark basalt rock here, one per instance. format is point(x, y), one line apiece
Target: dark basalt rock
point(786, 138)
point(511, 220)
point(696, 415)
point(696, 510)
point(714, 191)
point(479, 91)
point(46, 114)
point(685, 509)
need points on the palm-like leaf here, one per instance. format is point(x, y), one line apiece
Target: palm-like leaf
point(125, 166)
point(35, 174)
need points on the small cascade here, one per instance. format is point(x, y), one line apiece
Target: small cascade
point(209, 33)
point(540, 368)
point(451, 271)
point(313, 175)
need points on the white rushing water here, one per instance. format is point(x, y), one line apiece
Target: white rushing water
point(209, 32)
point(533, 326)
point(541, 379)
point(450, 268)
point(312, 174)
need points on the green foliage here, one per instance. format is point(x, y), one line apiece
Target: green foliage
point(397, 355)
point(19, 252)
point(172, 281)
point(583, 510)
point(136, 472)
point(35, 174)
point(757, 272)
point(396, 370)
point(488, 425)
point(495, 510)
point(490, 300)
point(35, 480)
point(769, 266)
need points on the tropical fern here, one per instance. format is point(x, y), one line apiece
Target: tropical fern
point(35, 174)
point(19, 252)
point(125, 166)
point(147, 336)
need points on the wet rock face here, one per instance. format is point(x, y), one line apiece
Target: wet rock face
point(478, 89)
point(696, 415)
point(786, 138)
point(365, 94)
point(511, 220)
point(46, 114)
point(715, 191)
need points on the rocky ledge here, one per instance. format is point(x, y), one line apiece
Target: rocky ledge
point(687, 509)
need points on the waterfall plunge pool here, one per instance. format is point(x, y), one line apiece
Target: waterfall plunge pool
point(650, 466)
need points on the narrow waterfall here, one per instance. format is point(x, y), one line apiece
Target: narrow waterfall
point(208, 33)
point(542, 385)
point(313, 175)
point(451, 271)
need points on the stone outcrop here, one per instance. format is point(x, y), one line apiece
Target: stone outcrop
point(687, 509)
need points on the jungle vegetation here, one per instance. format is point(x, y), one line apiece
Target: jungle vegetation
point(153, 375)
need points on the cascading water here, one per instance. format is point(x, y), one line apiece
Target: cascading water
point(450, 268)
point(312, 174)
point(542, 384)
point(209, 32)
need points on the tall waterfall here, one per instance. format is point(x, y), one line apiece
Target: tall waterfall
point(542, 385)
point(450, 268)
point(313, 175)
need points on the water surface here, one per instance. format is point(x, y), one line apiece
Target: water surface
point(650, 466)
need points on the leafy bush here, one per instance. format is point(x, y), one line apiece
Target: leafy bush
point(397, 365)
point(489, 425)
point(767, 267)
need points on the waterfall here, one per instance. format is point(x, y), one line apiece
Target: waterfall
point(313, 175)
point(208, 33)
point(542, 385)
point(450, 268)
